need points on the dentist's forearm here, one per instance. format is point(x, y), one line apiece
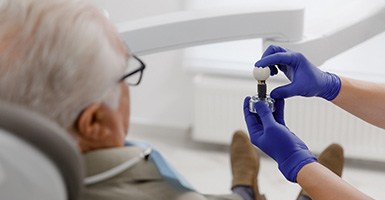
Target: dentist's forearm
point(363, 99)
point(322, 184)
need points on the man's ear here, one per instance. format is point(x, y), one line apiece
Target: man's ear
point(90, 122)
point(97, 127)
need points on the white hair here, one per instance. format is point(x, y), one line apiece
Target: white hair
point(57, 57)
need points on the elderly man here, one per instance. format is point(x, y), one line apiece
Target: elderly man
point(64, 60)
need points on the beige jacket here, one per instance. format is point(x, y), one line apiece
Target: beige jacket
point(140, 182)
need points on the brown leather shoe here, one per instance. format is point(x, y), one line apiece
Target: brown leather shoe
point(244, 163)
point(332, 158)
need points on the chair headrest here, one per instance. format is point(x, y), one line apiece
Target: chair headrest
point(50, 139)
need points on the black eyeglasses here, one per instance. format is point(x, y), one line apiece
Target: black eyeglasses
point(134, 77)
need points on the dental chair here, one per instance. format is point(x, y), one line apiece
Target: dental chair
point(38, 160)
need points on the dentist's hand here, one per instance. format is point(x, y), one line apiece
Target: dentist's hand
point(306, 79)
point(268, 132)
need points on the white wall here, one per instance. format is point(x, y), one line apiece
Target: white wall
point(122, 10)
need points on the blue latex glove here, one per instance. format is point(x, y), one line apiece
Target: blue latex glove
point(268, 132)
point(306, 79)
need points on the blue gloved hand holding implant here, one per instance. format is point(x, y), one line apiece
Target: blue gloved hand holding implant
point(306, 79)
point(268, 132)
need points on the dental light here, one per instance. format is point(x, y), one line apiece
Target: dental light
point(282, 25)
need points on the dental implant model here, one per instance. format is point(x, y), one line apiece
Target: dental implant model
point(261, 74)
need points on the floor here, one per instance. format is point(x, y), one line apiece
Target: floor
point(207, 168)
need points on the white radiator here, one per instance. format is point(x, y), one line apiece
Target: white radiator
point(218, 113)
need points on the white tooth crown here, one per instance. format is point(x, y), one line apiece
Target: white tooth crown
point(261, 73)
